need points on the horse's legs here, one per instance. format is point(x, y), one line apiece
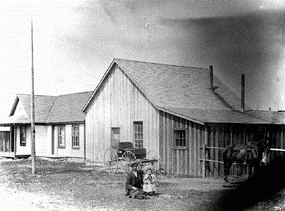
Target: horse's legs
point(256, 167)
point(240, 169)
point(253, 168)
point(227, 166)
point(249, 171)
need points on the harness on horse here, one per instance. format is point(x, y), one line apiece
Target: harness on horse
point(244, 153)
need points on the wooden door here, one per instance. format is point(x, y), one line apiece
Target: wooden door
point(115, 137)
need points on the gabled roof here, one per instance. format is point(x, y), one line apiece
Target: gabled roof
point(50, 109)
point(43, 105)
point(182, 90)
point(68, 108)
point(179, 86)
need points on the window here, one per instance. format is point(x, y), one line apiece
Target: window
point(180, 138)
point(75, 136)
point(61, 136)
point(22, 135)
point(138, 130)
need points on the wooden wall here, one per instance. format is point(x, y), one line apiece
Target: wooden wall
point(118, 103)
point(277, 141)
point(184, 161)
point(68, 150)
point(223, 135)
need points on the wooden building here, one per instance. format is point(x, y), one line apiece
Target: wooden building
point(59, 126)
point(174, 110)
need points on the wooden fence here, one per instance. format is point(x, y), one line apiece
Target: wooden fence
point(216, 169)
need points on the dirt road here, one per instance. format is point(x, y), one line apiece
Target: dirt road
point(72, 187)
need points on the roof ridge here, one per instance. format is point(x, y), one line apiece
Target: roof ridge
point(50, 111)
point(74, 93)
point(157, 63)
point(37, 95)
point(54, 95)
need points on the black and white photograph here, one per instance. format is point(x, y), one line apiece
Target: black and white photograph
point(142, 105)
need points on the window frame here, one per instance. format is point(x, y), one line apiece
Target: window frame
point(23, 136)
point(61, 145)
point(74, 136)
point(138, 135)
point(186, 138)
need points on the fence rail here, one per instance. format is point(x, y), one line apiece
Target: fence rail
point(276, 149)
point(206, 160)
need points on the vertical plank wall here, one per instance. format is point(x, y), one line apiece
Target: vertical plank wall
point(180, 161)
point(223, 135)
point(277, 141)
point(118, 103)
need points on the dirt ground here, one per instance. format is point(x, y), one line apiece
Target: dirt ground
point(60, 185)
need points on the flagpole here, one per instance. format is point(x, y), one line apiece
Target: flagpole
point(33, 151)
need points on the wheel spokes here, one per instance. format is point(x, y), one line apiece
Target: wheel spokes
point(152, 155)
point(129, 156)
point(111, 161)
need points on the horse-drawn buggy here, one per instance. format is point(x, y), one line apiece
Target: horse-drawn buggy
point(118, 159)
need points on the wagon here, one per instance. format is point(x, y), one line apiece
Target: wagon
point(119, 158)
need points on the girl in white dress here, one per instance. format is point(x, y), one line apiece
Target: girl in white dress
point(149, 182)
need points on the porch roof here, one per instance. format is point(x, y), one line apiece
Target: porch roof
point(274, 117)
point(215, 116)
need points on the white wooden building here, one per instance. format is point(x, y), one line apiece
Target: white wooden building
point(59, 126)
point(174, 110)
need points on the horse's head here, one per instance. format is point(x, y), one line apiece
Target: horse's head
point(263, 148)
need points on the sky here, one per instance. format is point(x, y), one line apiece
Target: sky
point(74, 42)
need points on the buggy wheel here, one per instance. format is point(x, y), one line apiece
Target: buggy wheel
point(111, 160)
point(162, 169)
point(125, 166)
point(128, 156)
point(152, 155)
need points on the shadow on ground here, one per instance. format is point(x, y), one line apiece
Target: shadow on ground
point(262, 187)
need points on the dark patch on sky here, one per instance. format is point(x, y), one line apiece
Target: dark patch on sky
point(251, 43)
point(246, 42)
point(236, 43)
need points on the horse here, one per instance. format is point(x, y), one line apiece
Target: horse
point(254, 155)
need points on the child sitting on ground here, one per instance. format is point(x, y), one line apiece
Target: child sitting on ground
point(149, 182)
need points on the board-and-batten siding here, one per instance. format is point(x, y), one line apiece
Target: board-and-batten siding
point(277, 142)
point(184, 161)
point(118, 103)
point(223, 135)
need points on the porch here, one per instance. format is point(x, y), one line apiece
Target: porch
point(7, 154)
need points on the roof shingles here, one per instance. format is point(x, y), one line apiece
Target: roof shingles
point(185, 91)
point(51, 109)
point(68, 108)
point(179, 86)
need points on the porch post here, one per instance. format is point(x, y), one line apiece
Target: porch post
point(15, 139)
point(204, 153)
